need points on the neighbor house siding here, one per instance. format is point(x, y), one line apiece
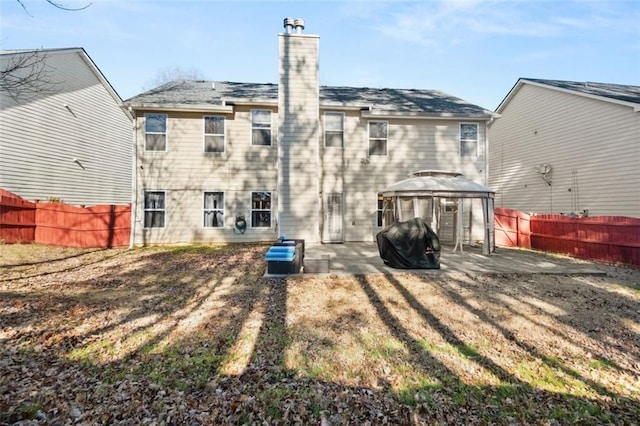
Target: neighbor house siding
point(41, 137)
point(185, 171)
point(592, 145)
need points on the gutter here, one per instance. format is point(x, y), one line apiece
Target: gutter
point(368, 113)
point(182, 107)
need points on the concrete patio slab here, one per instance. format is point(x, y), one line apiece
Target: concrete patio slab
point(363, 258)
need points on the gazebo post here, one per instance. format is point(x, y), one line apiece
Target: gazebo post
point(486, 243)
point(435, 223)
point(459, 226)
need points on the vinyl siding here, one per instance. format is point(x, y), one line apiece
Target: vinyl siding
point(412, 145)
point(592, 145)
point(185, 171)
point(39, 140)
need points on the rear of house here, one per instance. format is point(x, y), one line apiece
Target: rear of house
point(567, 147)
point(222, 161)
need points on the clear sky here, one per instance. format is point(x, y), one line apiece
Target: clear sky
point(472, 49)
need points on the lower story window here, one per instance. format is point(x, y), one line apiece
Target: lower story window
point(213, 209)
point(154, 209)
point(261, 209)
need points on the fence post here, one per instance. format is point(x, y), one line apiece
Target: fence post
point(518, 218)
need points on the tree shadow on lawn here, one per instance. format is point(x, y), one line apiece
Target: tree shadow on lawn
point(597, 318)
point(279, 391)
point(134, 305)
point(205, 339)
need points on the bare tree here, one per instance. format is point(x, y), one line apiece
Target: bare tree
point(167, 74)
point(24, 75)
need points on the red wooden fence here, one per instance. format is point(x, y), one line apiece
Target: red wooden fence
point(605, 238)
point(63, 225)
point(17, 218)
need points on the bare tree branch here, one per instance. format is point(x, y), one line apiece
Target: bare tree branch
point(59, 6)
point(167, 74)
point(23, 76)
point(24, 7)
point(56, 5)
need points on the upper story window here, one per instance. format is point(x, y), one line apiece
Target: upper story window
point(261, 209)
point(469, 140)
point(154, 209)
point(378, 135)
point(261, 127)
point(213, 133)
point(213, 209)
point(155, 132)
point(334, 129)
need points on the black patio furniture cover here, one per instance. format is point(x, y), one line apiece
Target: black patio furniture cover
point(409, 245)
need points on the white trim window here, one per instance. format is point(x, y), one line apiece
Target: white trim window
point(469, 140)
point(214, 133)
point(261, 209)
point(334, 129)
point(213, 209)
point(155, 208)
point(261, 127)
point(155, 132)
point(378, 137)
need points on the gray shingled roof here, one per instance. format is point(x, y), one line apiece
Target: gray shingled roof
point(618, 92)
point(188, 92)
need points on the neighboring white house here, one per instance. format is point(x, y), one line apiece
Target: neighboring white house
point(221, 161)
point(65, 136)
point(567, 147)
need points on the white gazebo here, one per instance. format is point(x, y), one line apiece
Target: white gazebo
point(429, 193)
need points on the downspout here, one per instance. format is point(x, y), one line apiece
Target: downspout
point(134, 178)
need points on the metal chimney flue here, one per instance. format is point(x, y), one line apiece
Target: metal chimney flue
point(299, 24)
point(288, 25)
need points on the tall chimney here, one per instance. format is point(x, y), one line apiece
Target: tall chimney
point(298, 135)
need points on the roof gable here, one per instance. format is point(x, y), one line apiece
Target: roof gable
point(616, 93)
point(85, 58)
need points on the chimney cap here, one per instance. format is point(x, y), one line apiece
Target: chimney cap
point(288, 24)
point(299, 24)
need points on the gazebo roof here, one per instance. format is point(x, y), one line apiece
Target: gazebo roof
point(437, 183)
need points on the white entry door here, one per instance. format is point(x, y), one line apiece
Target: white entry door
point(333, 218)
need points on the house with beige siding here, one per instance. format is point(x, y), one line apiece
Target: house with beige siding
point(65, 136)
point(230, 162)
point(567, 147)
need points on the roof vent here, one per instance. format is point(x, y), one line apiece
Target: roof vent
point(299, 24)
point(288, 25)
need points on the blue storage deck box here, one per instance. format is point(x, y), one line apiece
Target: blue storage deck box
point(285, 257)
